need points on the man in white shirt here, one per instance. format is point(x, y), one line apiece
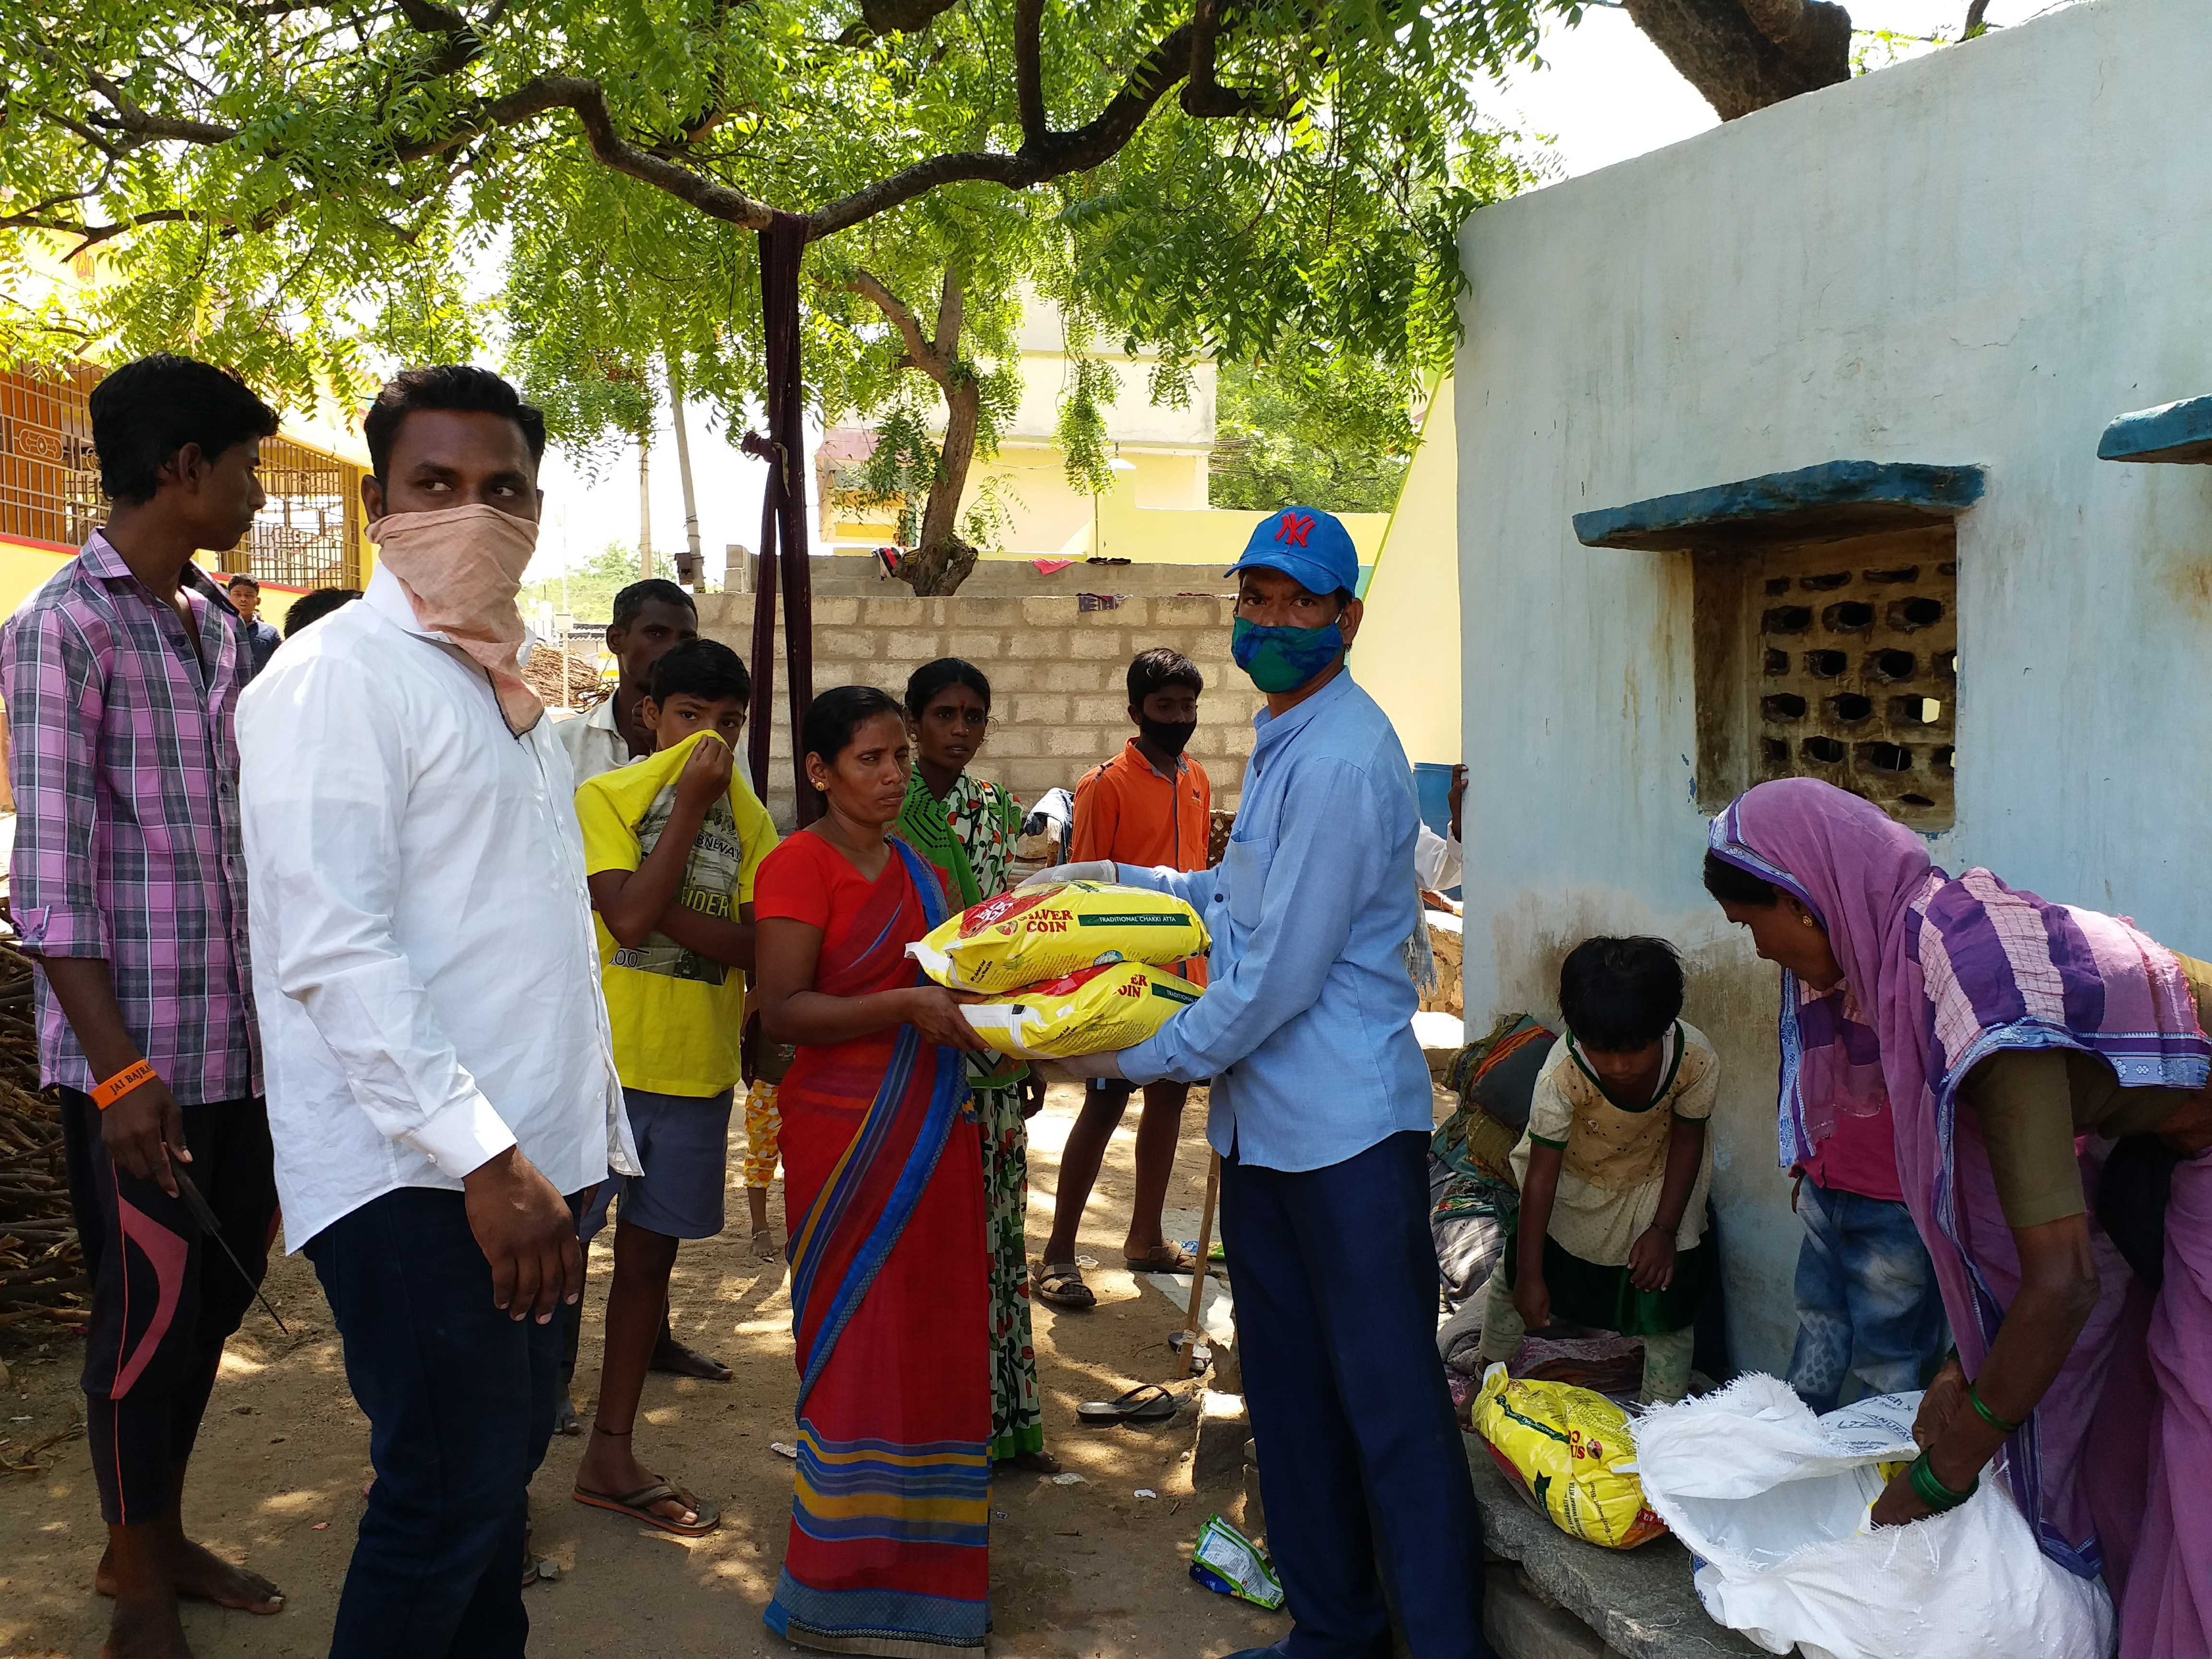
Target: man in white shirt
point(650, 619)
point(440, 1076)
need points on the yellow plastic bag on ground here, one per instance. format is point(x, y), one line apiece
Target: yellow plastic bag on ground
point(1093, 1010)
point(1564, 1448)
point(1037, 933)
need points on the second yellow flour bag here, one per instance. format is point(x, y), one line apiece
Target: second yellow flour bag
point(1093, 1010)
point(1036, 933)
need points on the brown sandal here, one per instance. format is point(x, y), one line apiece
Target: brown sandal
point(1162, 1259)
point(1059, 1285)
point(638, 1506)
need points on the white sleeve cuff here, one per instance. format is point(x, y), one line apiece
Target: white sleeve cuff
point(460, 1137)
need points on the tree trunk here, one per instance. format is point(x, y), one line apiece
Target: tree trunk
point(695, 570)
point(941, 560)
point(645, 507)
point(1744, 55)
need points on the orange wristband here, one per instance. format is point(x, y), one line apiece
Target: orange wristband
point(106, 1094)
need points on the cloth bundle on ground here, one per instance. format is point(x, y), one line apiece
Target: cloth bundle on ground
point(1472, 1193)
point(1569, 1453)
point(1497, 1075)
point(1776, 1504)
point(1034, 934)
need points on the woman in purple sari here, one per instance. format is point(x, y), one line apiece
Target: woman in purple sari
point(2047, 1070)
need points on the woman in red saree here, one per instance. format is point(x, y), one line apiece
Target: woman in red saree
point(883, 1187)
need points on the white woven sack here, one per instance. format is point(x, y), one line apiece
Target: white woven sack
point(1775, 1503)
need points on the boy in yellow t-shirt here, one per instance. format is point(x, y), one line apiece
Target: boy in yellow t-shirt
point(671, 846)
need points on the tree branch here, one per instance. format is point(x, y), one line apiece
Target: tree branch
point(901, 17)
point(129, 118)
point(1975, 10)
point(94, 235)
point(1035, 162)
point(587, 101)
point(872, 289)
point(1203, 96)
point(461, 44)
point(1743, 55)
point(1794, 26)
point(1029, 70)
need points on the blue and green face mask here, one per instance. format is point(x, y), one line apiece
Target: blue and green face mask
point(1284, 658)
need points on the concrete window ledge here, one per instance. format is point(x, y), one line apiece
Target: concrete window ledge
point(1836, 498)
point(2173, 432)
point(1625, 1604)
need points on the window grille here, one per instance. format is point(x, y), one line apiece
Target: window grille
point(49, 478)
point(308, 535)
point(1835, 659)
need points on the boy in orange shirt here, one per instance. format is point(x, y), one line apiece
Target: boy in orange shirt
point(1150, 806)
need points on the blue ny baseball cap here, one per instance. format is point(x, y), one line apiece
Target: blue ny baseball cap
point(1309, 546)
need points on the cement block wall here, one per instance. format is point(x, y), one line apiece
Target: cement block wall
point(1059, 696)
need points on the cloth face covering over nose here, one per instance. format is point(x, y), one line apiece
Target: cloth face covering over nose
point(461, 568)
point(1169, 736)
point(1284, 658)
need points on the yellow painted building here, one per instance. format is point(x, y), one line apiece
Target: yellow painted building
point(1156, 513)
point(309, 535)
point(1408, 655)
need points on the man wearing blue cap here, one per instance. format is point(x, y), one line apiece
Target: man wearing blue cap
point(1322, 1112)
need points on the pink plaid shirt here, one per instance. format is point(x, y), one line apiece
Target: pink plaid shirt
point(124, 765)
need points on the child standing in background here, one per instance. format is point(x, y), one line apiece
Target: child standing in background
point(670, 845)
point(763, 1125)
point(1150, 806)
point(965, 827)
point(1615, 1167)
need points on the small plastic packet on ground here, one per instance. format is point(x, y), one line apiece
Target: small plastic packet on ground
point(1569, 1452)
point(1045, 932)
point(1094, 1011)
point(1228, 1563)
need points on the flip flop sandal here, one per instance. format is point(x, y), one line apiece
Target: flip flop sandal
point(638, 1506)
point(1146, 1403)
point(1059, 1285)
point(675, 1359)
point(1166, 1259)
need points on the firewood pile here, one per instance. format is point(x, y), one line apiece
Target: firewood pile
point(43, 1288)
point(542, 672)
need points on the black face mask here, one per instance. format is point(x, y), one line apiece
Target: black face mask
point(1169, 736)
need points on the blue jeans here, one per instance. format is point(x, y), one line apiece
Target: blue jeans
point(1360, 1454)
point(1868, 1304)
point(459, 1400)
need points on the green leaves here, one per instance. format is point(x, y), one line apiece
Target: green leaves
point(312, 194)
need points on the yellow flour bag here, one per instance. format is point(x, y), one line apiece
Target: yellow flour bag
point(1563, 1447)
point(1092, 1011)
point(1036, 933)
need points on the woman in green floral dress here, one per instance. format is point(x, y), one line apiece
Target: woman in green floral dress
point(966, 829)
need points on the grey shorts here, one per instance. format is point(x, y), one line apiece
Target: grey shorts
point(683, 1147)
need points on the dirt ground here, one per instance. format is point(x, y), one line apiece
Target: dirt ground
point(1082, 1572)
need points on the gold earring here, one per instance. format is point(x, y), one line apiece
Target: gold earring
point(1807, 921)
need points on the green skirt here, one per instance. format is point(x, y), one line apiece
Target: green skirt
point(1607, 1299)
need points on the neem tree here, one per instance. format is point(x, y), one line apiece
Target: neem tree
point(281, 181)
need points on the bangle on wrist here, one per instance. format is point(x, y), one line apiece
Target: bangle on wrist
point(1927, 1487)
point(2004, 1426)
point(110, 1090)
